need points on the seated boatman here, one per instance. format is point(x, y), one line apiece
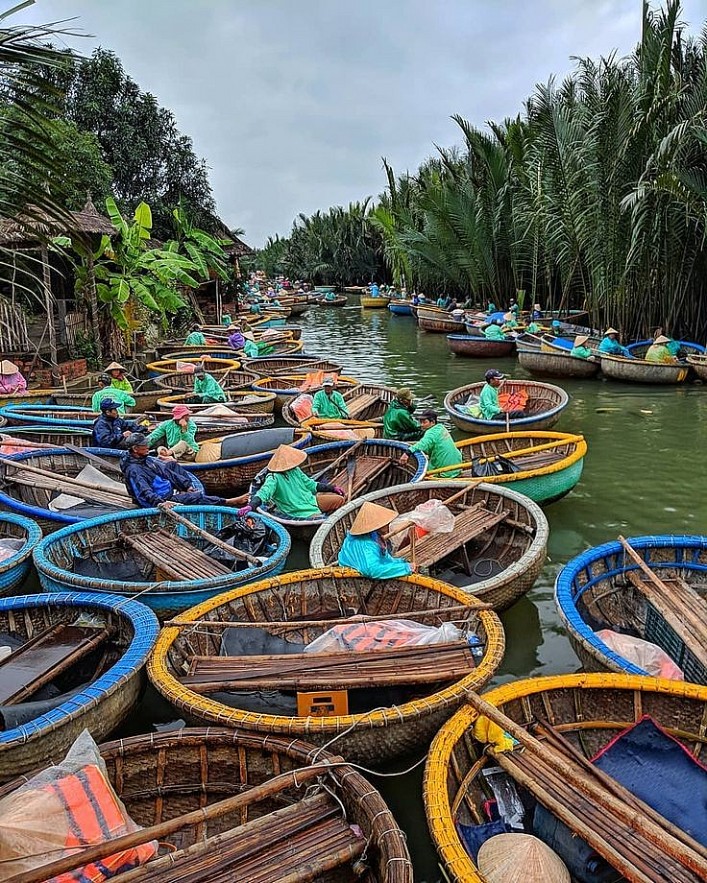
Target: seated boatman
point(494, 331)
point(176, 437)
point(329, 403)
point(206, 387)
point(489, 402)
point(660, 351)
point(365, 549)
point(398, 421)
point(610, 345)
point(153, 482)
point(110, 430)
point(108, 391)
point(438, 444)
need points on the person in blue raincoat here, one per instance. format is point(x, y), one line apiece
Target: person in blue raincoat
point(610, 345)
point(364, 548)
point(110, 430)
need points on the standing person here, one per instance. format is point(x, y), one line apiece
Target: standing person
point(364, 548)
point(107, 391)
point(11, 381)
point(374, 289)
point(329, 403)
point(514, 308)
point(659, 351)
point(176, 437)
point(488, 400)
point(579, 350)
point(437, 443)
point(537, 313)
point(294, 494)
point(110, 430)
point(207, 387)
point(118, 379)
point(160, 483)
point(226, 320)
point(195, 337)
point(610, 344)
point(398, 421)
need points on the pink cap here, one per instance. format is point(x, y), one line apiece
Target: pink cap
point(179, 411)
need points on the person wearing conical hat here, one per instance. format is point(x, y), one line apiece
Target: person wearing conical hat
point(206, 387)
point(195, 337)
point(250, 347)
point(509, 321)
point(398, 421)
point(659, 351)
point(364, 548)
point(580, 350)
point(610, 345)
point(494, 331)
point(291, 492)
point(106, 390)
point(236, 338)
point(11, 381)
point(117, 373)
point(328, 402)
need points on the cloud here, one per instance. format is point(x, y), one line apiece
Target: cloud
point(293, 102)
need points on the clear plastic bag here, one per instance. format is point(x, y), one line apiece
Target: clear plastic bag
point(642, 653)
point(432, 516)
point(382, 635)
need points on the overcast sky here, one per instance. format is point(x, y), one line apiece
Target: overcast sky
point(293, 102)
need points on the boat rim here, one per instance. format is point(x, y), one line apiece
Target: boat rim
point(518, 421)
point(32, 536)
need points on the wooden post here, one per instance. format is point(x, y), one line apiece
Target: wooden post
point(93, 299)
point(49, 304)
point(219, 304)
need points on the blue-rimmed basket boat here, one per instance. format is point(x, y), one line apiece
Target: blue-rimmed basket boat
point(365, 403)
point(594, 591)
point(478, 347)
point(98, 540)
point(46, 436)
point(271, 366)
point(545, 406)
point(400, 307)
point(14, 569)
point(498, 561)
point(48, 415)
point(97, 697)
point(288, 386)
point(378, 467)
point(641, 371)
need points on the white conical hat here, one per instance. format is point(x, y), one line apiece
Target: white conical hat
point(7, 367)
point(610, 331)
point(580, 339)
point(520, 858)
point(662, 339)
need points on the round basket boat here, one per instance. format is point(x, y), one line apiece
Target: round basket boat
point(590, 710)
point(556, 364)
point(545, 405)
point(22, 534)
point(195, 354)
point(29, 396)
point(699, 366)
point(268, 366)
point(96, 693)
point(181, 382)
point(400, 307)
point(365, 403)
point(496, 559)
point(604, 588)
point(91, 555)
point(475, 347)
point(217, 367)
point(379, 724)
point(547, 464)
point(340, 430)
point(48, 415)
point(377, 466)
point(31, 438)
point(240, 458)
point(340, 300)
point(288, 386)
point(639, 348)
point(244, 401)
point(373, 303)
point(640, 371)
point(145, 394)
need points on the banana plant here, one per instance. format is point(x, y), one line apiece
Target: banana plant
point(204, 250)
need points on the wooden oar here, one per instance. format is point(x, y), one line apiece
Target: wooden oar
point(215, 541)
point(46, 473)
point(521, 452)
point(350, 473)
point(339, 459)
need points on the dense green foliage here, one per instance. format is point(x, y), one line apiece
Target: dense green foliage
point(596, 196)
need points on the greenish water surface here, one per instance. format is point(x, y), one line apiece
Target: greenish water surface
point(644, 474)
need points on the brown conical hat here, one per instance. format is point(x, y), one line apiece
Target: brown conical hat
point(209, 452)
point(662, 339)
point(371, 517)
point(116, 366)
point(520, 858)
point(286, 458)
point(580, 339)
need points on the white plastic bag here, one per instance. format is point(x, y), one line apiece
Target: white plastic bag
point(642, 653)
point(382, 635)
point(432, 516)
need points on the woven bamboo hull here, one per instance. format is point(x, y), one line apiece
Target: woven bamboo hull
point(374, 411)
point(14, 570)
point(54, 557)
point(478, 347)
point(400, 307)
point(319, 456)
point(30, 396)
point(287, 387)
point(699, 366)
point(145, 398)
point(546, 403)
point(439, 326)
point(543, 364)
point(374, 303)
point(638, 371)
point(265, 366)
point(339, 301)
point(596, 707)
point(611, 602)
point(50, 435)
point(101, 706)
point(369, 736)
point(245, 402)
point(204, 766)
point(179, 382)
point(521, 553)
point(171, 348)
point(217, 367)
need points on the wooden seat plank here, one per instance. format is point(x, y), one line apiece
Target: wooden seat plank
point(175, 557)
point(467, 526)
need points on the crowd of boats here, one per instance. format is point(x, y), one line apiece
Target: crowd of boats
point(287, 678)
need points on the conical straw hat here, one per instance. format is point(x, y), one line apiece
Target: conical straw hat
point(116, 366)
point(285, 458)
point(610, 331)
point(580, 339)
point(520, 858)
point(209, 452)
point(662, 339)
point(371, 517)
point(7, 367)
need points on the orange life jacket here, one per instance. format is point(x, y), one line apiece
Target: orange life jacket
point(516, 400)
point(362, 636)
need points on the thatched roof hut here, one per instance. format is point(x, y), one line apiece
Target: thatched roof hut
point(34, 227)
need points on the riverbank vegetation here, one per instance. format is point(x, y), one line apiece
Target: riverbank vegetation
point(594, 196)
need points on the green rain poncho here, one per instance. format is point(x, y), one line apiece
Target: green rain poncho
point(293, 493)
point(488, 402)
point(494, 332)
point(439, 446)
point(208, 389)
point(170, 432)
point(125, 385)
point(365, 554)
point(330, 407)
point(399, 424)
point(581, 352)
point(123, 399)
point(250, 348)
point(196, 338)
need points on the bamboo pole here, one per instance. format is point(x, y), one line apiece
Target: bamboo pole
point(215, 541)
point(49, 305)
point(347, 453)
point(20, 466)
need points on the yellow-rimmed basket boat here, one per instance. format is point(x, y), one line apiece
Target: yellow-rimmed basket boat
point(546, 403)
point(288, 386)
point(217, 367)
point(495, 552)
point(366, 402)
point(272, 366)
point(590, 710)
point(699, 366)
point(640, 371)
point(336, 828)
point(544, 466)
point(379, 724)
point(181, 381)
point(246, 401)
point(374, 303)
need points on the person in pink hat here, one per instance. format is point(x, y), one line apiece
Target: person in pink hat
point(175, 437)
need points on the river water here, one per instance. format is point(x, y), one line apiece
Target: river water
point(644, 473)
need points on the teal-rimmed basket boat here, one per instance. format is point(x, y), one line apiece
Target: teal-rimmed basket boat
point(98, 539)
point(14, 569)
point(45, 730)
point(593, 592)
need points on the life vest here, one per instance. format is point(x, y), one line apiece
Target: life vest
point(516, 400)
point(362, 636)
point(93, 814)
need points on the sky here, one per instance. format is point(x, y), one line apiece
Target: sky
point(294, 103)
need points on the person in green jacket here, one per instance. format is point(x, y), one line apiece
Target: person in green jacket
point(106, 391)
point(398, 420)
point(292, 493)
point(329, 403)
point(488, 400)
point(250, 347)
point(533, 327)
point(117, 373)
point(438, 444)
point(579, 350)
point(494, 331)
point(176, 437)
point(207, 387)
point(226, 320)
point(509, 322)
point(195, 337)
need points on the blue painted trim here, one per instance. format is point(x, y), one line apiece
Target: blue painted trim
point(688, 344)
point(243, 461)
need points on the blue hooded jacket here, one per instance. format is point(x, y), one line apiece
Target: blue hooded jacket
point(108, 433)
point(151, 481)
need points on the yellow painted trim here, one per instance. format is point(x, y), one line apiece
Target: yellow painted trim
point(169, 366)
